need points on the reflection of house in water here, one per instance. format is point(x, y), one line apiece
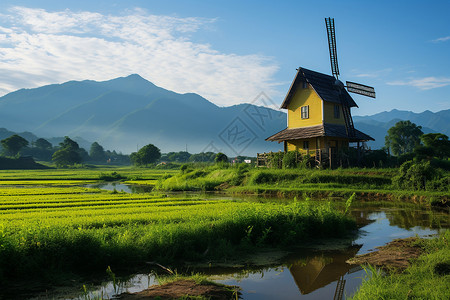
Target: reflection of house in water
point(318, 271)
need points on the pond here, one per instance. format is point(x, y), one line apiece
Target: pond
point(309, 272)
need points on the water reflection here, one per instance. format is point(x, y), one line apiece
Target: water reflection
point(318, 271)
point(120, 187)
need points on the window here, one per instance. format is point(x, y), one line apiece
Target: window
point(337, 112)
point(305, 112)
point(306, 145)
point(304, 85)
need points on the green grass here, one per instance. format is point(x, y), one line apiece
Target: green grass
point(366, 183)
point(45, 230)
point(427, 278)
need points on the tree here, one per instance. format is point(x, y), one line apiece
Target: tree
point(68, 154)
point(220, 157)
point(436, 144)
point(13, 144)
point(43, 144)
point(97, 153)
point(146, 155)
point(403, 137)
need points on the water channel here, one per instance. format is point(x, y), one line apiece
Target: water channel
point(307, 273)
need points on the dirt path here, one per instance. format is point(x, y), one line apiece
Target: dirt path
point(180, 288)
point(394, 256)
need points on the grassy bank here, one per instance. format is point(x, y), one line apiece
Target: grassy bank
point(370, 183)
point(428, 277)
point(46, 230)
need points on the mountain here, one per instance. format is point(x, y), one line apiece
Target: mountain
point(378, 124)
point(129, 112)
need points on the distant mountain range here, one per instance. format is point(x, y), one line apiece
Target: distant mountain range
point(129, 112)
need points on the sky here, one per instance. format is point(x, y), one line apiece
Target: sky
point(231, 51)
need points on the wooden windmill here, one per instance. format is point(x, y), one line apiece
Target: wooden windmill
point(319, 121)
point(352, 87)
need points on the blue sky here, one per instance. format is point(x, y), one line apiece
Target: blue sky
point(230, 51)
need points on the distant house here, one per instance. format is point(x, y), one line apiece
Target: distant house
point(319, 119)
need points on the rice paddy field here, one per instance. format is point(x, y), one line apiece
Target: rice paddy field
point(51, 224)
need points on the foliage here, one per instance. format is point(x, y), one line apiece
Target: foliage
point(435, 145)
point(43, 144)
point(181, 156)
point(68, 153)
point(113, 176)
point(97, 153)
point(275, 160)
point(221, 158)
point(146, 155)
point(13, 144)
point(403, 137)
point(203, 157)
point(290, 159)
point(420, 176)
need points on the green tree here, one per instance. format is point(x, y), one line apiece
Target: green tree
point(68, 153)
point(146, 155)
point(220, 157)
point(43, 144)
point(13, 144)
point(97, 153)
point(435, 144)
point(403, 137)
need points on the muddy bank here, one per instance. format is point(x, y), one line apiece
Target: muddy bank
point(394, 256)
point(182, 288)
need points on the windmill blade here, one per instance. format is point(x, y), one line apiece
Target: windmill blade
point(329, 23)
point(361, 89)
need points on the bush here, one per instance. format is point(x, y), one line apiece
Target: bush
point(419, 176)
point(275, 160)
point(290, 159)
point(113, 176)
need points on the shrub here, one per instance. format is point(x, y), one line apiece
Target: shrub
point(290, 160)
point(418, 176)
point(275, 160)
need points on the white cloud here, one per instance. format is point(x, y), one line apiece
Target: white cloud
point(425, 83)
point(442, 39)
point(40, 47)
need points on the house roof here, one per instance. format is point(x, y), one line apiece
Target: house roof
point(324, 85)
point(331, 130)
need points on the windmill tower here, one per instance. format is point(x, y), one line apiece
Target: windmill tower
point(318, 108)
point(351, 86)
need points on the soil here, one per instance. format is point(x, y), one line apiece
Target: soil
point(394, 256)
point(180, 288)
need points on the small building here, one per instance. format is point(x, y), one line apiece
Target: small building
point(319, 121)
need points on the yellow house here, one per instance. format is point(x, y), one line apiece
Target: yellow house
point(319, 120)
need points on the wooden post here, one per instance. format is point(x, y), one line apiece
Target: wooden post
point(329, 157)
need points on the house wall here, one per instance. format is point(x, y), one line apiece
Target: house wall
point(303, 97)
point(328, 114)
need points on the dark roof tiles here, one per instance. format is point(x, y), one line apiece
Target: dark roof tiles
point(323, 84)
